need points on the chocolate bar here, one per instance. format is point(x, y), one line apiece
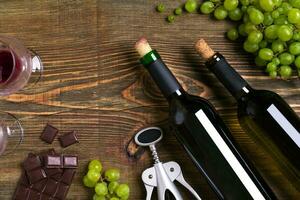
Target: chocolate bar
point(68, 176)
point(62, 191)
point(51, 187)
point(53, 161)
point(68, 139)
point(36, 175)
point(70, 161)
point(49, 133)
point(21, 193)
point(34, 195)
point(39, 186)
point(32, 162)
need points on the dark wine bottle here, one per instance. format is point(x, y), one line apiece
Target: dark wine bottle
point(263, 114)
point(205, 137)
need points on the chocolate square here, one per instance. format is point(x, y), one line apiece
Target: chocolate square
point(68, 139)
point(68, 176)
point(70, 161)
point(57, 176)
point(36, 175)
point(53, 161)
point(49, 133)
point(34, 195)
point(46, 197)
point(21, 193)
point(53, 171)
point(62, 191)
point(31, 162)
point(51, 187)
point(39, 186)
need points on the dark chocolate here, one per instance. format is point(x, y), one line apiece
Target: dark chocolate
point(34, 195)
point(70, 161)
point(39, 186)
point(68, 176)
point(62, 191)
point(49, 133)
point(21, 193)
point(68, 139)
point(24, 179)
point(31, 162)
point(36, 175)
point(53, 161)
point(51, 187)
point(57, 176)
point(52, 171)
point(46, 197)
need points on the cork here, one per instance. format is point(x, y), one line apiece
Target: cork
point(203, 49)
point(142, 47)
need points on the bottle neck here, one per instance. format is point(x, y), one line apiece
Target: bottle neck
point(160, 73)
point(233, 82)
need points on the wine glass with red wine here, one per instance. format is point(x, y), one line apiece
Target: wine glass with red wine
point(18, 67)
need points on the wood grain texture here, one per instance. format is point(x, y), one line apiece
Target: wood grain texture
point(94, 84)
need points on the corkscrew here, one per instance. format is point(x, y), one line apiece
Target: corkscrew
point(161, 175)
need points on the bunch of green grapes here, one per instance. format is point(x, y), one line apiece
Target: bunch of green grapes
point(270, 30)
point(107, 188)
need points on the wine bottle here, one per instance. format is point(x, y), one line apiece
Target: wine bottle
point(204, 136)
point(263, 114)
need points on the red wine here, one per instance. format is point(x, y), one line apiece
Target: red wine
point(10, 66)
point(266, 117)
point(206, 139)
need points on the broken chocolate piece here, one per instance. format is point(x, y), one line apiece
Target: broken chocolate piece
point(31, 162)
point(36, 175)
point(49, 133)
point(68, 176)
point(21, 193)
point(62, 191)
point(53, 161)
point(51, 187)
point(39, 186)
point(70, 161)
point(68, 139)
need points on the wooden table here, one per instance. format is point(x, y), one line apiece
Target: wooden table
point(94, 84)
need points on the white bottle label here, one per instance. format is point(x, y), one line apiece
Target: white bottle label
point(229, 156)
point(284, 124)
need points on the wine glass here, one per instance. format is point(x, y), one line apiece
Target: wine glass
point(18, 65)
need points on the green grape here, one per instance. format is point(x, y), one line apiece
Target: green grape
point(215, 1)
point(220, 13)
point(232, 34)
point(276, 61)
point(255, 37)
point(280, 10)
point(244, 9)
point(112, 186)
point(112, 174)
point(297, 62)
point(263, 44)
point(277, 3)
point(250, 8)
point(295, 3)
point(207, 7)
point(236, 14)
point(285, 33)
point(93, 175)
point(256, 16)
point(277, 46)
point(190, 5)
point(268, 19)
point(245, 2)
point(249, 27)
point(178, 11)
point(114, 198)
point(250, 47)
point(285, 71)
point(160, 7)
point(123, 190)
point(101, 189)
point(294, 16)
point(275, 14)
point(286, 58)
point(271, 67)
point(98, 197)
point(241, 30)
point(246, 18)
point(294, 48)
point(271, 32)
point(88, 183)
point(266, 54)
point(296, 36)
point(171, 18)
point(281, 20)
point(260, 62)
point(267, 5)
point(273, 74)
point(96, 165)
point(231, 4)
point(286, 7)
